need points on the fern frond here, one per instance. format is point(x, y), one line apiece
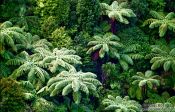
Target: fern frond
point(117, 11)
point(163, 22)
point(103, 44)
point(119, 104)
point(74, 82)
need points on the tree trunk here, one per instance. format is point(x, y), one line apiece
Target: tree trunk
point(99, 62)
point(113, 25)
point(95, 55)
point(168, 39)
point(144, 91)
point(99, 69)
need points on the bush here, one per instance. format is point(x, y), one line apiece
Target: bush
point(58, 8)
point(48, 25)
point(10, 8)
point(140, 8)
point(42, 105)
point(157, 5)
point(88, 13)
point(11, 96)
point(59, 38)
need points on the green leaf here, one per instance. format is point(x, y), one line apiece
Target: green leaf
point(155, 65)
point(106, 48)
point(172, 52)
point(101, 53)
point(77, 97)
point(162, 30)
point(167, 65)
point(124, 65)
point(150, 85)
point(127, 59)
point(142, 83)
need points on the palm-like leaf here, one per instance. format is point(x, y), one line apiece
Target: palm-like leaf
point(30, 65)
point(59, 59)
point(163, 58)
point(104, 44)
point(34, 42)
point(119, 104)
point(74, 82)
point(148, 79)
point(163, 22)
point(126, 54)
point(10, 35)
point(117, 11)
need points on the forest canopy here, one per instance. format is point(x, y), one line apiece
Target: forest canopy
point(87, 55)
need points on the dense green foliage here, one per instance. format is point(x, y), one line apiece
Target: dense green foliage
point(60, 56)
point(104, 44)
point(117, 11)
point(88, 12)
point(11, 96)
point(121, 104)
point(163, 22)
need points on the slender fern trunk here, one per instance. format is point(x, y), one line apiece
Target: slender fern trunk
point(113, 25)
point(99, 69)
point(95, 57)
point(99, 62)
point(168, 37)
point(144, 91)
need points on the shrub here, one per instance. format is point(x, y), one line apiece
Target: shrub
point(59, 38)
point(88, 13)
point(11, 96)
point(58, 8)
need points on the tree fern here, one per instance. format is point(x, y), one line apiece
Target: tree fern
point(104, 44)
point(30, 65)
point(33, 42)
point(10, 35)
point(163, 22)
point(117, 11)
point(148, 79)
point(163, 58)
point(126, 54)
point(73, 82)
point(145, 81)
point(4, 69)
point(119, 104)
point(59, 60)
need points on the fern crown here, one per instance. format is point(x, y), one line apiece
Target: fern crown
point(163, 22)
point(104, 44)
point(117, 11)
point(75, 82)
point(119, 104)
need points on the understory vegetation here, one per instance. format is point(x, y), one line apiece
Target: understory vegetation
point(87, 55)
